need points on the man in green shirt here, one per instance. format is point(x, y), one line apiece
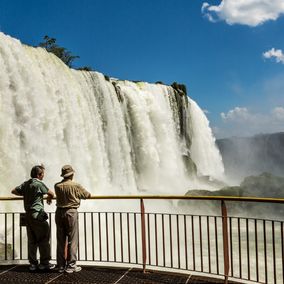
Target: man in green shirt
point(33, 191)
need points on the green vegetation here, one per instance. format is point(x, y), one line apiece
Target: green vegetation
point(140, 84)
point(50, 45)
point(65, 55)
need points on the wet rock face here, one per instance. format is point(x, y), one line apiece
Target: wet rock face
point(263, 185)
point(118, 91)
point(182, 101)
point(190, 166)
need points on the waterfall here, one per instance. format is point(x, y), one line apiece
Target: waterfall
point(121, 137)
point(203, 149)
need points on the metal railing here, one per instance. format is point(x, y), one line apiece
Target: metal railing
point(238, 247)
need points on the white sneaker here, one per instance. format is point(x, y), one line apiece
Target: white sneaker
point(71, 269)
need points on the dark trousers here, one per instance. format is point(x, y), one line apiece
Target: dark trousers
point(38, 237)
point(66, 231)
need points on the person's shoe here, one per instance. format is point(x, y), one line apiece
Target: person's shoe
point(48, 266)
point(71, 269)
point(60, 269)
point(32, 267)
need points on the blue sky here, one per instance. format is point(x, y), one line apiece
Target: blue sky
point(228, 53)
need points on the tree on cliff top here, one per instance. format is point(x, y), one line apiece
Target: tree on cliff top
point(61, 52)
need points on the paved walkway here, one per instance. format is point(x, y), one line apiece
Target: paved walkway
point(99, 275)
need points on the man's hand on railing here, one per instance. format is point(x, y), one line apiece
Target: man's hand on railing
point(50, 196)
point(49, 199)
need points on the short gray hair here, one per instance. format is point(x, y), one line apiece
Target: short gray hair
point(37, 170)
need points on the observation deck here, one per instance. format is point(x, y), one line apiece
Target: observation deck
point(16, 274)
point(145, 246)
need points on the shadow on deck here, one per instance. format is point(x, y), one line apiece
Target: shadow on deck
point(100, 275)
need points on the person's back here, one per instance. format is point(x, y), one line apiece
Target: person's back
point(68, 195)
point(33, 191)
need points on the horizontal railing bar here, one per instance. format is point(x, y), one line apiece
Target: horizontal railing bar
point(181, 197)
point(162, 213)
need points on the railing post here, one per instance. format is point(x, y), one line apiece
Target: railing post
point(143, 234)
point(225, 240)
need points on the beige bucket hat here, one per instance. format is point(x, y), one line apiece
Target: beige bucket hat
point(67, 171)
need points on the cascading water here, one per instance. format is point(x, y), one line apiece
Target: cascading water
point(120, 136)
point(203, 150)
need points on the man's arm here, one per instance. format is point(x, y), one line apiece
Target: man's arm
point(15, 191)
point(19, 190)
point(50, 195)
point(84, 194)
point(45, 190)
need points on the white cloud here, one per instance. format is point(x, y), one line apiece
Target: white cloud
point(240, 121)
point(244, 12)
point(278, 113)
point(276, 53)
point(236, 114)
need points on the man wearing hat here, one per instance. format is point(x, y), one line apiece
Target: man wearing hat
point(38, 230)
point(68, 196)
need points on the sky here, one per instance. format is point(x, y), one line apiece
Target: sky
point(229, 53)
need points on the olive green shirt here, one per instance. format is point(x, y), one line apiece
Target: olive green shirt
point(33, 191)
point(68, 194)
